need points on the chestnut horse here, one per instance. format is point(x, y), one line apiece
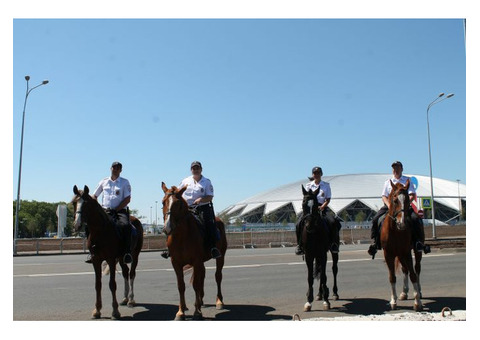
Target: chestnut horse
point(396, 241)
point(316, 245)
point(186, 247)
point(108, 247)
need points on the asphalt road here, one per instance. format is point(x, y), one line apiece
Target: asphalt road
point(258, 284)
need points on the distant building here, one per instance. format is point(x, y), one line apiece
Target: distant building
point(351, 195)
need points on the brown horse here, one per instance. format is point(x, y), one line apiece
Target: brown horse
point(186, 247)
point(108, 247)
point(396, 241)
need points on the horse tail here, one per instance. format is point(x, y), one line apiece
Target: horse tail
point(316, 269)
point(188, 269)
point(398, 265)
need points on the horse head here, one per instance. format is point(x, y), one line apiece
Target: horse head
point(310, 201)
point(310, 209)
point(399, 204)
point(174, 206)
point(78, 201)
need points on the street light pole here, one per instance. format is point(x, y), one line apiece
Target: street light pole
point(156, 216)
point(436, 101)
point(27, 78)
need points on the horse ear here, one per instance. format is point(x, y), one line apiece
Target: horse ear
point(392, 185)
point(164, 187)
point(181, 191)
point(85, 190)
point(315, 193)
point(303, 190)
point(75, 190)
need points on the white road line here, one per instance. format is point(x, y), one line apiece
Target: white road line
point(208, 268)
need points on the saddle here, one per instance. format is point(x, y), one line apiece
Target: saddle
point(201, 223)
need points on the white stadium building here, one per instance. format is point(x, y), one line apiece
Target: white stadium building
point(352, 194)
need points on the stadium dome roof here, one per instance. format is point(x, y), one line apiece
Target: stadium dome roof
point(347, 189)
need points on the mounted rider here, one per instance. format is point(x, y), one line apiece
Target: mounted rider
point(418, 233)
point(324, 196)
point(116, 197)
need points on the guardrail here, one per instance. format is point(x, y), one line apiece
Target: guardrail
point(241, 239)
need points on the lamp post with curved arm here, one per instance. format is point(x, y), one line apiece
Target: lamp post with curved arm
point(436, 101)
point(27, 78)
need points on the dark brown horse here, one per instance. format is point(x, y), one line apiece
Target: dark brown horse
point(396, 241)
point(186, 247)
point(108, 248)
point(316, 245)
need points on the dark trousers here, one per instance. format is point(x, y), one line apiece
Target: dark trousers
point(122, 221)
point(207, 215)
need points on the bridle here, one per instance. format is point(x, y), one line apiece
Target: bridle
point(403, 210)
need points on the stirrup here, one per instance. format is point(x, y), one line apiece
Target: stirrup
point(426, 249)
point(165, 254)
point(419, 246)
point(215, 253)
point(334, 248)
point(127, 258)
point(89, 258)
point(299, 250)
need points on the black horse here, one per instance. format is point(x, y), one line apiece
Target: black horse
point(316, 242)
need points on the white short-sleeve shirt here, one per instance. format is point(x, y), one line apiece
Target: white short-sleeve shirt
point(387, 188)
point(114, 192)
point(324, 193)
point(196, 189)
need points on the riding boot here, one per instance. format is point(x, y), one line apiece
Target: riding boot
point(333, 237)
point(299, 248)
point(372, 249)
point(127, 257)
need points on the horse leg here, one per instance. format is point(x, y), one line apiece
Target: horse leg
point(390, 260)
point(418, 268)
point(133, 274)
point(335, 272)
point(308, 305)
point(125, 273)
point(198, 282)
point(113, 290)
point(97, 267)
point(404, 293)
point(408, 262)
point(180, 316)
point(323, 281)
point(218, 279)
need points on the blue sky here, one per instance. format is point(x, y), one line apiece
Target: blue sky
point(258, 101)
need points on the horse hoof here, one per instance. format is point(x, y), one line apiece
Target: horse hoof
point(197, 316)
point(124, 302)
point(307, 307)
point(326, 306)
point(116, 315)
point(131, 303)
point(335, 297)
point(318, 297)
point(393, 306)
point(219, 306)
point(96, 314)
point(403, 296)
point(180, 317)
point(417, 308)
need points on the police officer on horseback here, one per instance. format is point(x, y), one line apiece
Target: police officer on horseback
point(116, 197)
point(324, 197)
point(199, 196)
point(418, 233)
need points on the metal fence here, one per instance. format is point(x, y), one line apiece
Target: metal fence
point(354, 234)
